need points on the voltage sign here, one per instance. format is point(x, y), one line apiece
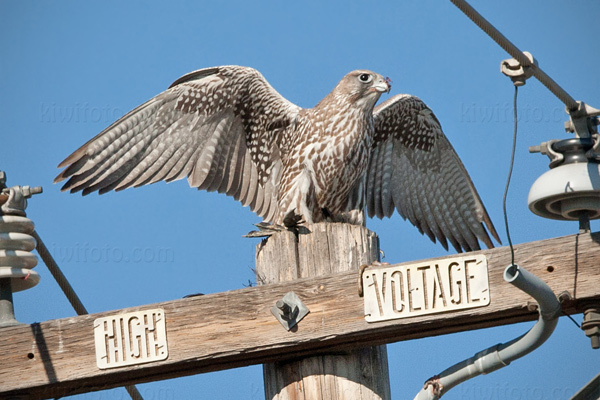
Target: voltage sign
point(408, 290)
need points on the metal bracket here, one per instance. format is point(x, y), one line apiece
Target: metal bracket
point(517, 72)
point(570, 150)
point(583, 121)
point(545, 148)
point(289, 310)
point(14, 199)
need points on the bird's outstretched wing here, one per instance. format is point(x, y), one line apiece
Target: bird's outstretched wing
point(414, 169)
point(220, 127)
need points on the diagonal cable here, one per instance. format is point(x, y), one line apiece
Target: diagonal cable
point(68, 290)
point(517, 54)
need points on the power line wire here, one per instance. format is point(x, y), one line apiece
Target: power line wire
point(517, 54)
point(68, 290)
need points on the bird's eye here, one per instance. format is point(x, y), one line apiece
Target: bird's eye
point(365, 78)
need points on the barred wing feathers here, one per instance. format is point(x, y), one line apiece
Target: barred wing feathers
point(223, 128)
point(414, 169)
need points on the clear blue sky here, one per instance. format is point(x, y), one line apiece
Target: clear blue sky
point(69, 69)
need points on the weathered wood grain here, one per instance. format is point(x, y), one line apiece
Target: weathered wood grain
point(359, 374)
point(236, 328)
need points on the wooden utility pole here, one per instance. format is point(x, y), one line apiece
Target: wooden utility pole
point(233, 329)
point(320, 250)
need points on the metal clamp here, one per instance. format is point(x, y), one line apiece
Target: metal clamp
point(16, 198)
point(516, 71)
point(289, 310)
point(583, 120)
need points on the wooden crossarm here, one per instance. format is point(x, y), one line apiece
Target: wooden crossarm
point(236, 328)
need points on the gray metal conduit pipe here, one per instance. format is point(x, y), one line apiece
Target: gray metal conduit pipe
point(501, 355)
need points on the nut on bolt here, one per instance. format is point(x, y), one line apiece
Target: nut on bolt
point(289, 310)
point(591, 325)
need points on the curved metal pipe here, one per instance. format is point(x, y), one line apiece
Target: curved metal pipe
point(501, 355)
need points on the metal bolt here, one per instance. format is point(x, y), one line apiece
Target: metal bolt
point(564, 296)
point(288, 312)
point(283, 306)
point(591, 325)
point(532, 306)
point(30, 191)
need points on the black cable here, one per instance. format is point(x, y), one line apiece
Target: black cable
point(510, 170)
point(572, 319)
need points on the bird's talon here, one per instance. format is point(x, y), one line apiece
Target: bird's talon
point(264, 230)
point(293, 220)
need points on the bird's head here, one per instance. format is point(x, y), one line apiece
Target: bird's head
point(363, 87)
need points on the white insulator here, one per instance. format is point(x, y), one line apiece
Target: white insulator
point(16, 259)
point(566, 192)
point(16, 241)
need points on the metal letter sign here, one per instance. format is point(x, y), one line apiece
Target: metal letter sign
point(401, 291)
point(131, 338)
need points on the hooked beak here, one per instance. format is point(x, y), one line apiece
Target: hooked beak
point(383, 85)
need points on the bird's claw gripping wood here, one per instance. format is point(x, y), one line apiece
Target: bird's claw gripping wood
point(265, 230)
point(293, 220)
